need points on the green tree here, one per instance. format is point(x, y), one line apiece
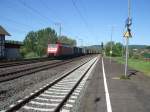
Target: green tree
point(108, 47)
point(116, 48)
point(44, 37)
point(29, 42)
point(148, 47)
point(36, 42)
point(67, 40)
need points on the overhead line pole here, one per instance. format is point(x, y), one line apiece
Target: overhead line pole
point(112, 29)
point(126, 64)
point(129, 35)
point(60, 28)
point(123, 46)
point(129, 8)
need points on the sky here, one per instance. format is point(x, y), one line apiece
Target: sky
point(88, 21)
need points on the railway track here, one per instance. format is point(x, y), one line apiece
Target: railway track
point(22, 62)
point(10, 75)
point(59, 95)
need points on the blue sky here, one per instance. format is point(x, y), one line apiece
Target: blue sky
point(89, 21)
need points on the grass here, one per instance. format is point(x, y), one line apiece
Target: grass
point(124, 77)
point(137, 64)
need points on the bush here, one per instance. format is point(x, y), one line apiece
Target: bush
point(31, 55)
point(135, 56)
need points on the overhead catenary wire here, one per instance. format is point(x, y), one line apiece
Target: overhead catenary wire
point(11, 20)
point(31, 9)
point(36, 11)
point(16, 30)
point(78, 11)
point(46, 6)
point(60, 21)
point(18, 26)
point(82, 17)
point(51, 11)
point(84, 10)
point(45, 17)
point(16, 22)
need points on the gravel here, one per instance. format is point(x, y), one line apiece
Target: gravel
point(22, 67)
point(16, 89)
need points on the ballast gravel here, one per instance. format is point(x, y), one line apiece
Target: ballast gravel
point(12, 91)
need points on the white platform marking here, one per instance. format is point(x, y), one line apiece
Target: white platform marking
point(109, 109)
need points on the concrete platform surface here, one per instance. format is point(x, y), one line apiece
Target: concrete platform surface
point(125, 95)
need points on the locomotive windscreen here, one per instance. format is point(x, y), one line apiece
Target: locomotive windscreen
point(52, 48)
point(52, 45)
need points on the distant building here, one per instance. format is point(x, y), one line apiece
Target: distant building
point(12, 49)
point(8, 49)
point(3, 33)
point(146, 55)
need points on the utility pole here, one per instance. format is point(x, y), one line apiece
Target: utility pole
point(60, 30)
point(127, 35)
point(81, 41)
point(59, 25)
point(112, 29)
point(102, 49)
point(122, 48)
point(126, 64)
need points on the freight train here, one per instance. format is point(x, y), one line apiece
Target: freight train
point(60, 49)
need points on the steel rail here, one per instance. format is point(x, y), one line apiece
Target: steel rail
point(22, 62)
point(59, 107)
point(16, 74)
point(20, 104)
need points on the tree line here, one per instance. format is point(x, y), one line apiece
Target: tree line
point(117, 49)
point(35, 42)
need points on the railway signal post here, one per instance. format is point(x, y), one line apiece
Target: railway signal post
point(127, 35)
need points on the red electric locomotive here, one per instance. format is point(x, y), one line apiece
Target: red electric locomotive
point(59, 49)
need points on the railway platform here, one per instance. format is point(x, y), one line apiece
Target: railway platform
point(93, 85)
point(132, 95)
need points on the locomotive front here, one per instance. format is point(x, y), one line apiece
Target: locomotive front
point(52, 50)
